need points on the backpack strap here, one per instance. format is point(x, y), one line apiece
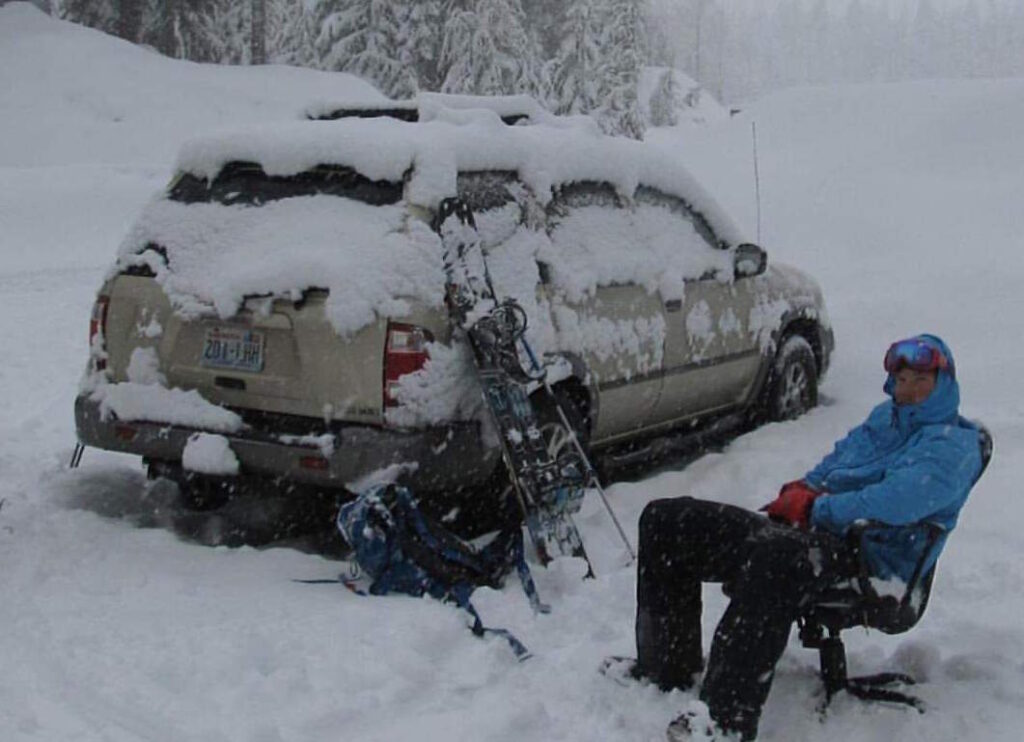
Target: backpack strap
point(514, 553)
point(460, 594)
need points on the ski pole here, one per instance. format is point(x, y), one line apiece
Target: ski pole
point(591, 473)
point(76, 456)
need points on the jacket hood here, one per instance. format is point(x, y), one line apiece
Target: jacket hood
point(943, 404)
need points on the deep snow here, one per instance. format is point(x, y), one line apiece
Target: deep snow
point(900, 199)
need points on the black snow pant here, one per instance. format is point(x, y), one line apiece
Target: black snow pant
point(769, 570)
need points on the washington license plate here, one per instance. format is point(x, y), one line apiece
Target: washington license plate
point(235, 348)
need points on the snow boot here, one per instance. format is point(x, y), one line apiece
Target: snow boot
point(696, 725)
point(623, 670)
point(668, 650)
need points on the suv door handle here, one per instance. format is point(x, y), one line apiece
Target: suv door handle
point(673, 305)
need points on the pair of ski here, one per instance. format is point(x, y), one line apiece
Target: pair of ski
point(548, 489)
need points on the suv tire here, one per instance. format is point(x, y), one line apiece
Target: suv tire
point(793, 389)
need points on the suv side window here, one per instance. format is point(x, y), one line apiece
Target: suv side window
point(497, 200)
point(671, 217)
point(646, 195)
point(246, 183)
point(583, 219)
point(580, 195)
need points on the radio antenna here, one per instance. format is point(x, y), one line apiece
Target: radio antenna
point(757, 180)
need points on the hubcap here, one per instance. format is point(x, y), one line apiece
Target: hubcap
point(794, 396)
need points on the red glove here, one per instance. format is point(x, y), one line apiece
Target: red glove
point(793, 505)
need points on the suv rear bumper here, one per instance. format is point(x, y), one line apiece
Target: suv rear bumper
point(445, 457)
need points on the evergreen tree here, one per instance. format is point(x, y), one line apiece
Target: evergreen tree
point(100, 14)
point(619, 112)
point(573, 73)
point(226, 28)
point(665, 99)
point(924, 41)
point(129, 22)
point(544, 20)
point(258, 32)
point(487, 51)
point(361, 37)
point(457, 51)
point(183, 29)
point(967, 58)
point(291, 33)
point(420, 43)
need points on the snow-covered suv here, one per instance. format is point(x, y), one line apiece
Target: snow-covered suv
point(277, 314)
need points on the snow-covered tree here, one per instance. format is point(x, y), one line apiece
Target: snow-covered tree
point(101, 14)
point(488, 51)
point(665, 100)
point(258, 32)
point(226, 25)
point(184, 29)
point(420, 42)
point(573, 73)
point(291, 33)
point(362, 37)
point(619, 111)
point(544, 19)
point(925, 35)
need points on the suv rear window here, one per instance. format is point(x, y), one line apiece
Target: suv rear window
point(246, 183)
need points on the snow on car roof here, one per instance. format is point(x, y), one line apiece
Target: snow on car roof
point(426, 107)
point(214, 252)
point(545, 156)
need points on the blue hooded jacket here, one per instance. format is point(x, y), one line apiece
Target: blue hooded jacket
point(903, 465)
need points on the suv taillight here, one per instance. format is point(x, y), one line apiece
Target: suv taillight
point(98, 329)
point(405, 351)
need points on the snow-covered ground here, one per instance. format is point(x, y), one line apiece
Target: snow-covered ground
point(901, 199)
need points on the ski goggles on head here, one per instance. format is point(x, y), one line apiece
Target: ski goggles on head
point(915, 354)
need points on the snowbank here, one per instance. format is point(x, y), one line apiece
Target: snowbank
point(73, 95)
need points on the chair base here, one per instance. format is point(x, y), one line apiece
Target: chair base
point(867, 687)
point(875, 688)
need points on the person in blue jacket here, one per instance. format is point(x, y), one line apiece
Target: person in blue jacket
point(913, 460)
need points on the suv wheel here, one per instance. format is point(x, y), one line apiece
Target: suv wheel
point(794, 387)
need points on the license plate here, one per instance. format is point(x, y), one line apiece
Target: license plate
point(234, 348)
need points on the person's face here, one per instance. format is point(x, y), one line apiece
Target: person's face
point(913, 387)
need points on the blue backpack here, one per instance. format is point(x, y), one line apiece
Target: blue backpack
point(404, 551)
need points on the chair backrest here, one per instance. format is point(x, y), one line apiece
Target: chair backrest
point(985, 441)
point(844, 608)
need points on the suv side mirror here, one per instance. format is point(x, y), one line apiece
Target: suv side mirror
point(750, 260)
